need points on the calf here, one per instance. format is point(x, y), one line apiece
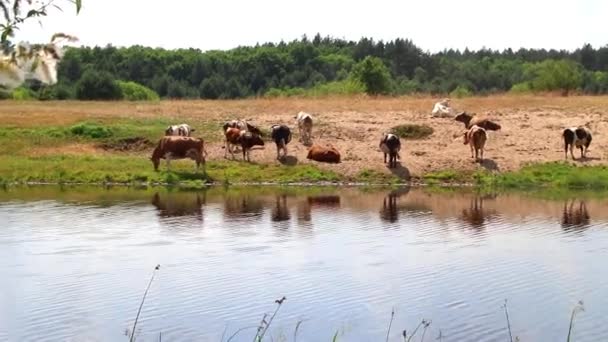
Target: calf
point(324, 154)
point(579, 137)
point(470, 120)
point(243, 126)
point(176, 147)
point(181, 130)
point(390, 145)
point(476, 137)
point(281, 134)
point(304, 127)
point(442, 108)
point(245, 139)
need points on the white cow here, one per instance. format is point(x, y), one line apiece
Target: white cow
point(304, 127)
point(181, 129)
point(442, 108)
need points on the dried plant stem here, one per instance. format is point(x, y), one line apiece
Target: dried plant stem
point(131, 339)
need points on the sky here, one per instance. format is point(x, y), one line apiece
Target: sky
point(433, 25)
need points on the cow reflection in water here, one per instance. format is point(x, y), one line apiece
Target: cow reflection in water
point(324, 201)
point(280, 212)
point(389, 211)
point(179, 204)
point(243, 206)
point(475, 214)
point(575, 216)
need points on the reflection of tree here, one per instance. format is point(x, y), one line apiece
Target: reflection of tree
point(575, 216)
point(179, 204)
point(280, 212)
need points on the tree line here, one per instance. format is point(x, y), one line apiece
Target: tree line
point(322, 65)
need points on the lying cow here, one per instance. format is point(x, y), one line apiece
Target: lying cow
point(470, 120)
point(579, 137)
point(324, 154)
point(181, 130)
point(304, 121)
point(243, 126)
point(281, 135)
point(390, 145)
point(476, 137)
point(442, 108)
point(246, 140)
point(175, 147)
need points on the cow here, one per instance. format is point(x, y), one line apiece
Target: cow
point(390, 145)
point(246, 140)
point(181, 130)
point(243, 126)
point(178, 147)
point(476, 137)
point(442, 108)
point(304, 121)
point(470, 120)
point(324, 154)
point(579, 137)
point(281, 135)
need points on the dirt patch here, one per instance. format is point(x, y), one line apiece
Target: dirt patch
point(127, 144)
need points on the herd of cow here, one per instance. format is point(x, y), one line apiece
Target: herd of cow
point(179, 144)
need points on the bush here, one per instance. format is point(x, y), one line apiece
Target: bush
point(22, 93)
point(460, 92)
point(57, 91)
point(94, 85)
point(552, 75)
point(91, 130)
point(133, 91)
point(521, 88)
point(409, 131)
point(373, 74)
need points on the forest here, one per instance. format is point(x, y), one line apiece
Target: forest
point(318, 66)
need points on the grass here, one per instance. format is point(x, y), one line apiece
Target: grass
point(412, 131)
point(370, 176)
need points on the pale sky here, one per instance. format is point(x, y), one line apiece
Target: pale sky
point(432, 24)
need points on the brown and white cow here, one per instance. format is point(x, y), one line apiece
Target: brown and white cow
point(304, 121)
point(243, 126)
point(476, 137)
point(246, 140)
point(324, 154)
point(471, 120)
point(579, 137)
point(178, 147)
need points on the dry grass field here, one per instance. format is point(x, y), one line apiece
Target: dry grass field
point(531, 130)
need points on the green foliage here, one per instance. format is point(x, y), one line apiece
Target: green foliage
point(374, 75)
point(96, 85)
point(91, 130)
point(412, 132)
point(22, 93)
point(132, 91)
point(460, 92)
point(521, 88)
point(552, 75)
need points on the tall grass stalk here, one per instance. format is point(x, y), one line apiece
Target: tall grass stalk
point(279, 303)
point(141, 305)
point(390, 323)
point(508, 321)
point(577, 308)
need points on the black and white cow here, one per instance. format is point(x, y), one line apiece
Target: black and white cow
point(576, 137)
point(390, 145)
point(182, 130)
point(281, 135)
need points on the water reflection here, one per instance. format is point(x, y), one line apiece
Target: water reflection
point(280, 212)
point(243, 205)
point(331, 201)
point(574, 216)
point(179, 204)
point(389, 211)
point(475, 215)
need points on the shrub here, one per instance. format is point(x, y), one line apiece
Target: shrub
point(133, 91)
point(91, 130)
point(410, 131)
point(373, 74)
point(460, 92)
point(94, 85)
point(521, 88)
point(22, 93)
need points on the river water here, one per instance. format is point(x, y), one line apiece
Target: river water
point(74, 264)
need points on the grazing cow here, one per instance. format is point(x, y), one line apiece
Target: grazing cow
point(305, 127)
point(470, 120)
point(246, 140)
point(324, 154)
point(243, 126)
point(181, 130)
point(442, 108)
point(175, 147)
point(476, 137)
point(281, 134)
point(390, 145)
point(579, 137)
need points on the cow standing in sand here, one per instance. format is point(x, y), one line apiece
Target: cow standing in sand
point(246, 140)
point(243, 126)
point(181, 130)
point(476, 137)
point(390, 145)
point(281, 135)
point(177, 147)
point(579, 137)
point(304, 127)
